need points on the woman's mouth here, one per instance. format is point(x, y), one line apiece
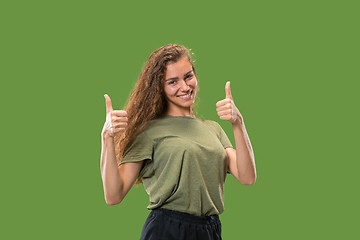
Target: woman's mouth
point(187, 96)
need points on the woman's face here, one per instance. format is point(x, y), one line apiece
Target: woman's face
point(180, 85)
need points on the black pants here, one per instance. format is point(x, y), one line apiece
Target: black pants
point(164, 224)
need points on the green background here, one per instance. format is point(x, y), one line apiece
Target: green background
point(293, 67)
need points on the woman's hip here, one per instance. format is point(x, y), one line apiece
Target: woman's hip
point(169, 224)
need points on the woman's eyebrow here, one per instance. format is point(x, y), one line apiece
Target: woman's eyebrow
point(174, 78)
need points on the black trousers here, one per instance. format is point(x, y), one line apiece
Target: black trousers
point(164, 224)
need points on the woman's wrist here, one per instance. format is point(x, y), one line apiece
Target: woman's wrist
point(239, 123)
point(106, 136)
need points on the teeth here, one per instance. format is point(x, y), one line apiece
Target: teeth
point(187, 95)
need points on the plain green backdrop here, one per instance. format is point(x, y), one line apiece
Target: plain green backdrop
point(293, 67)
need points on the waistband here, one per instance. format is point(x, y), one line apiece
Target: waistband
point(187, 217)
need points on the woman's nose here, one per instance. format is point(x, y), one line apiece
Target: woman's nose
point(184, 87)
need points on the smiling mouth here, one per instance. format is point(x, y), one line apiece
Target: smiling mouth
point(187, 95)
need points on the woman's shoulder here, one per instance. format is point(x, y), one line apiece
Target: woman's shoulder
point(209, 122)
point(215, 126)
point(154, 125)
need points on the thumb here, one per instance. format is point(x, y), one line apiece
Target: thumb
point(108, 104)
point(227, 90)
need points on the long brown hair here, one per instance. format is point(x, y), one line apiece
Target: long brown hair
point(147, 101)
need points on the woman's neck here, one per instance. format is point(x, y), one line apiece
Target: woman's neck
point(182, 113)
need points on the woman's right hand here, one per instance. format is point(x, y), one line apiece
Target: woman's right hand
point(116, 120)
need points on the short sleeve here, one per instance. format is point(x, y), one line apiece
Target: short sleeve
point(141, 148)
point(223, 137)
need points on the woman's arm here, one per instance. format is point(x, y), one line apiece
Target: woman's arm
point(117, 181)
point(241, 161)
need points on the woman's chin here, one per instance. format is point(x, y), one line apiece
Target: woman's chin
point(187, 104)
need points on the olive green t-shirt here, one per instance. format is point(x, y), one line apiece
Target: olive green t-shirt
point(185, 164)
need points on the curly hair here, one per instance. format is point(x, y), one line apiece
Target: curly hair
point(147, 101)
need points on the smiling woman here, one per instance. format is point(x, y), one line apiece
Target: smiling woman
point(180, 91)
point(181, 160)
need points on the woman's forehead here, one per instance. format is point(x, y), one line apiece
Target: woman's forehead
point(179, 68)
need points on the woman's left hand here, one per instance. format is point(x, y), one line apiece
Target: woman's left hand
point(226, 108)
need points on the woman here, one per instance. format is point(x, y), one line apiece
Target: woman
point(181, 160)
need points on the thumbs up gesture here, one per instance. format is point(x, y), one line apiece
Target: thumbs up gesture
point(226, 108)
point(116, 120)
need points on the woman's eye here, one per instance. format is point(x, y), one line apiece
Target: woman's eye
point(172, 82)
point(189, 77)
